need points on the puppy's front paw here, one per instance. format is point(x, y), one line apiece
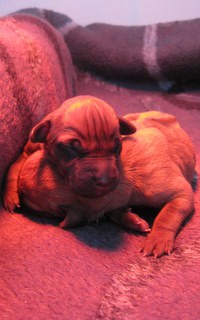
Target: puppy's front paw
point(11, 201)
point(158, 243)
point(72, 219)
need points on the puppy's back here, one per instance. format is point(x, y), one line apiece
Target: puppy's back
point(180, 146)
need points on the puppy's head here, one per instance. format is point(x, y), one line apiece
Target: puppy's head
point(83, 139)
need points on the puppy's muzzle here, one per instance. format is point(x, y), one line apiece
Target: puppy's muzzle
point(94, 177)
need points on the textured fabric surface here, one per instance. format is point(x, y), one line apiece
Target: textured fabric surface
point(169, 53)
point(36, 76)
point(94, 271)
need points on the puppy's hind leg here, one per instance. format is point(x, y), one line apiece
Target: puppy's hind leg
point(10, 195)
point(127, 219)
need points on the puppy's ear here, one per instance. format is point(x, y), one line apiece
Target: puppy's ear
point(40, 131)
point(126, 127)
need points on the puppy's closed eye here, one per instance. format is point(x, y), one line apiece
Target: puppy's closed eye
point(76, 146)
point(70, 149)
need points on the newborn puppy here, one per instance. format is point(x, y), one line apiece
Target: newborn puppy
point(156, 167)
point(82, 139)
point(44, 190)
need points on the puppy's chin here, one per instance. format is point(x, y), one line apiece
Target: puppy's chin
point(94, 192)
point(92, 195)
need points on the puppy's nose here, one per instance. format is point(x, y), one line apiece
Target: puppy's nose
point(102, 181)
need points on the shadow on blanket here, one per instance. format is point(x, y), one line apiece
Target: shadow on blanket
point(94, 234)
